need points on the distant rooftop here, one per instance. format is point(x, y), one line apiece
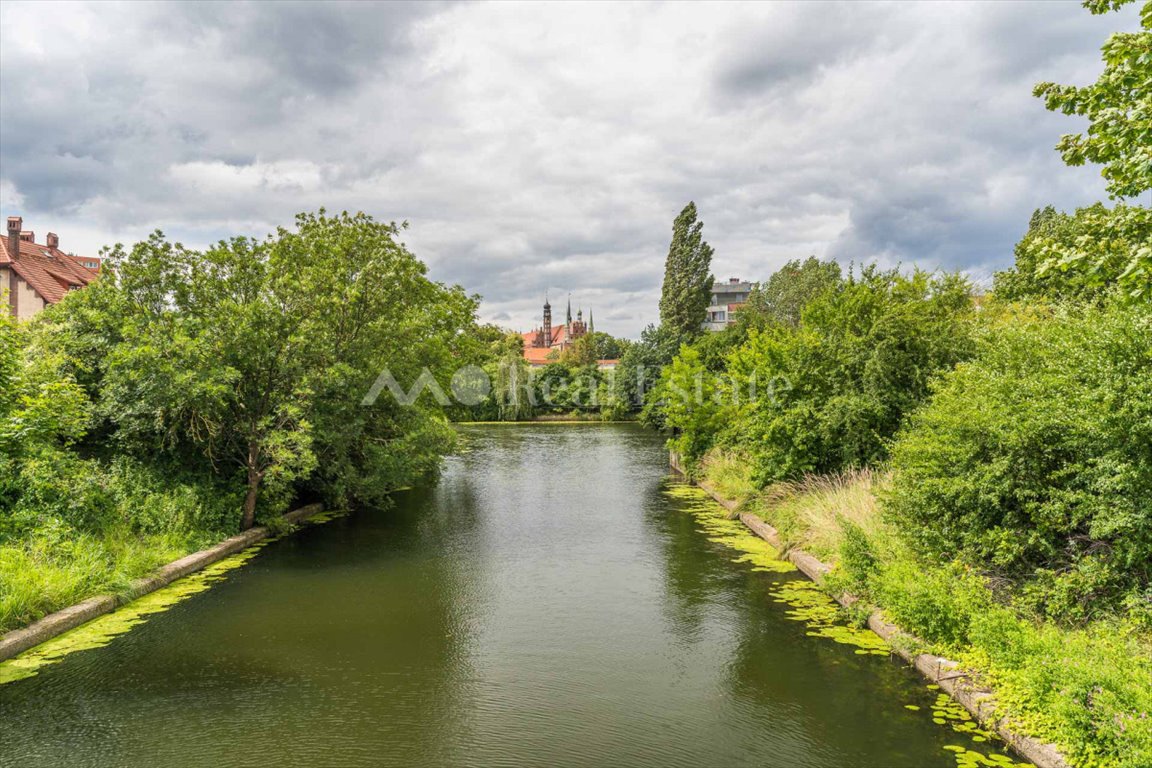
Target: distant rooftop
point(733, 285)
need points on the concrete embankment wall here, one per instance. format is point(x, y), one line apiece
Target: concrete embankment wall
point(19, 640)
point(978, 700)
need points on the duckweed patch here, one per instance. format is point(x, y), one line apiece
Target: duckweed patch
point(733, 534)
point(810, 604)
point(946, 711)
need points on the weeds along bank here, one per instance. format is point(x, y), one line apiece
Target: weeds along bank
point(186, 394)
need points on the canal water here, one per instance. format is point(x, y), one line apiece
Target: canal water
point(549, 601)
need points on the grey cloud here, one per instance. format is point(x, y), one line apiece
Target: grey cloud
point(548, 147)
point(774, 53)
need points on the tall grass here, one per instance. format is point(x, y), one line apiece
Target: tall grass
point(44, 573)
point(813, 513)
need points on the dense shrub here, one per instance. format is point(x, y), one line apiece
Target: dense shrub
point(1034, 460)
point(831, 392)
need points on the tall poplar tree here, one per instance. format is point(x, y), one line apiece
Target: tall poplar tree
point(687, 278)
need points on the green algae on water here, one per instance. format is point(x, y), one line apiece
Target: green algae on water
point(808, 602)
point(811, 605)
point(733, 534)
point(948, 711)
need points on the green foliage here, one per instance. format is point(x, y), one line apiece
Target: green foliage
point(639, 371)
point(715, 346)
point(781, 300)
point(691, 405)
point(1118, 107)
point(605, 346)
point(253, 356)
point(1034, 459)
point(1086, 690)
point(511, 383)
point(830, 393)
point(857, 560)
point(826, 394)
point(1085, 256)
point(688, 279)
point(186, 393)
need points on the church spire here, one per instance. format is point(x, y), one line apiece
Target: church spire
point(591, 323)
point(546, 330)
point(568, 319)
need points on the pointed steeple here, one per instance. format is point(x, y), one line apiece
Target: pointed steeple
point(568, 319)
point(545, 337)
point(591, 322)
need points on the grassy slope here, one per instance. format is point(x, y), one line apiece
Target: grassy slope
point(1087, 689)
point(44, 573)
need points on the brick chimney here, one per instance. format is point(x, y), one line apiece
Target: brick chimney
point(14, 225)
point(53, 240)
point(28, 237)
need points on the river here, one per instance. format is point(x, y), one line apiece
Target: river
point(547, 602)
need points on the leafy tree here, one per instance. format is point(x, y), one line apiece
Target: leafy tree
point(1103, 247)
point(830, 393)
point(639, 370)
point(783, 297)
point(1084, 256)
point(714, 347)
point(255, 356)
point(692, 405)
point(607, 347)
point(688, 279)
point(551, 385)
point(1118, 107)
point(511, 379)
point(582, 352)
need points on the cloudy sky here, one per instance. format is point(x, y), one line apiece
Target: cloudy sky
point(549, 147)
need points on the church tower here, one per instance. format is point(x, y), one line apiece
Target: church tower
point(546, 335)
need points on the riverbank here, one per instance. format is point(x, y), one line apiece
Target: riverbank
point(59, 621)
point(1085, 690)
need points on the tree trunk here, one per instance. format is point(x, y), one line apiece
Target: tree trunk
point(254, 477)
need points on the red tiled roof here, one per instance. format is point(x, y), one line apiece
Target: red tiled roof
point(538, 355)
point(557, 336)
point(50, 272)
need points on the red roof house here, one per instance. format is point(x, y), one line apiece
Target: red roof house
point(34, 275)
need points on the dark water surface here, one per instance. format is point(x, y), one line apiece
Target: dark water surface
point(544, 604)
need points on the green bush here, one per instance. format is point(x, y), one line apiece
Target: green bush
point(858, 562)
point(1034, 460)
point(831, 392)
